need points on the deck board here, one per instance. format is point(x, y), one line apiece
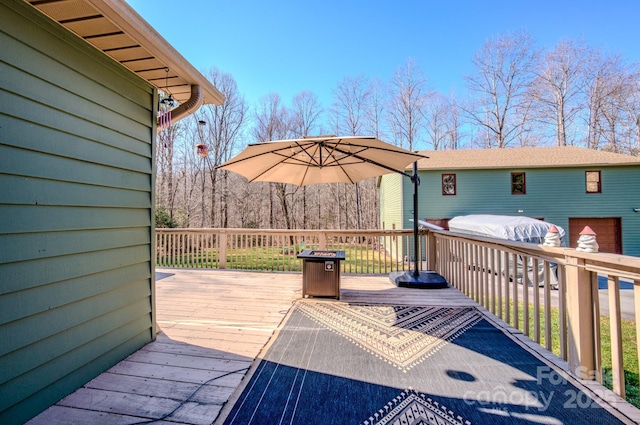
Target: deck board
point(213, 324)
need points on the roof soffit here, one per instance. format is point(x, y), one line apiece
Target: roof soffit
point(113, 27)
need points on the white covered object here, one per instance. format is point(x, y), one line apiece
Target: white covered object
point(513, 228)
point(587, 243)
point(426, 225)
point(552, 239)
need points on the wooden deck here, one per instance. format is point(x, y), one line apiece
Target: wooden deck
point(213, 325)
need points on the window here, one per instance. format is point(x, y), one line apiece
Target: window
point(448, 184)
point(518, 184)
point(592, 179)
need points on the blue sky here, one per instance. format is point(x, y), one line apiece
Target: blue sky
point(288, 47)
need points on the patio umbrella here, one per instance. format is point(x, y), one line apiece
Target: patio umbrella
point(322, 159)
point(331, 159)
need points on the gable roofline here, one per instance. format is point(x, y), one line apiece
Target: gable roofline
point(113, 27)
point(521, 158)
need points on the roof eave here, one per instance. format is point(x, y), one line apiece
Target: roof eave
point(124, 16)
point(519, 166)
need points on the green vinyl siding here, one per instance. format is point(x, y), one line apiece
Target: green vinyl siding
point(391, 211)
point(390, 190)
point(553, 194)
point(76, 222)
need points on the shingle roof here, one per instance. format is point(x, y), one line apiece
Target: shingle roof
point(542, 157)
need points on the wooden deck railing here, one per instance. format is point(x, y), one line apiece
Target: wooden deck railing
point(523, 283)
point(368, 251)
point(550, 294)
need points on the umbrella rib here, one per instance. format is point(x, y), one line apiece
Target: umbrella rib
point(370, 161)
point(306, 151)
point(330, 154)
point(271, 167)
point(277, 152)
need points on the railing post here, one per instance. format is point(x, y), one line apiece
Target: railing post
point(223, 249)
point(431, 251)
point(580, 317)
point(322, 240)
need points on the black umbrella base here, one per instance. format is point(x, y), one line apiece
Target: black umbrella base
point(423, 280)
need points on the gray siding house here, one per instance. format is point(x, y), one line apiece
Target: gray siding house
point(78, 117)
point(568, 186)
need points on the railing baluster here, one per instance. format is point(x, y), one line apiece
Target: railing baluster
point(525, 295)
point(617, 365)
point(460, 273)
point(499, 266)
point(482, 251)
point(239, 251)
point(469, 270)
point(476, 295)
point(507, 286)
point(192, 250)
point(536, 301)
point(548, 338)
point(597, 340)
point(181, 248)
point(636, 303)
point(455, 264)
point(562, 307)
point(516, 323)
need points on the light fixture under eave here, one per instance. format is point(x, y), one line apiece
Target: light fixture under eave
point(168, 101)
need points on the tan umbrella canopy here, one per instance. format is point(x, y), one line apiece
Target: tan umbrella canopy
point(332, 159)
point(321, 159)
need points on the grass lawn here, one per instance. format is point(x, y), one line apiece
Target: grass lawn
point(629, 347)
point(359, 259)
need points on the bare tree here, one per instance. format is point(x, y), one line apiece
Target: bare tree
point(632, 106)
point(272, 123)
point(350, 106)
point(305, 113)
point(351, 103)
point(409, 95)
point(605, 81)
point(614, 119)
point(188, 182)
point(436, 112)
point(165, 177)
point(221, 128)
point(378, 99)
point(559, 89)
point(499, 88)
point(374, 126)
point(453, 124)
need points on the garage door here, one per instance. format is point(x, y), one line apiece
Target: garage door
point(608, 231)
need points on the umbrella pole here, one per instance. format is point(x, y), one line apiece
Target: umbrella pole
point(416, 246)
point(416, 279)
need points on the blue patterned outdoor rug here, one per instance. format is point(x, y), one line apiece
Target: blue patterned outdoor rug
point(340, 363)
